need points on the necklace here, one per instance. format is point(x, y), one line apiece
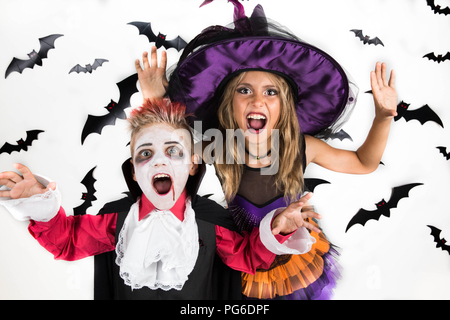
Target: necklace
point(257, 157)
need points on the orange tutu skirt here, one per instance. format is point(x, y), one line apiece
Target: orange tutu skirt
point(288, 273)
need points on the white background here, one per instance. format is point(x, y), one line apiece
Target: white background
point(393, 258)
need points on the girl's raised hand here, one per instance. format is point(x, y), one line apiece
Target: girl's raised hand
point(384, 93)
point(22, 186)
point(293, 217)
point(152, 78)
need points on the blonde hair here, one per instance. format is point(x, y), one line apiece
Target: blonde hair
point(158, 111)
point(289, 176)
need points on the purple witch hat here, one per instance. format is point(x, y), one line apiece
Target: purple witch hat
point(324, 92)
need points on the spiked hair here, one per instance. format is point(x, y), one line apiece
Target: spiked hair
point(158, 111)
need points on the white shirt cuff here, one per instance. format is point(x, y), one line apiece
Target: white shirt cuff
point(299, 243)
point(40, 207)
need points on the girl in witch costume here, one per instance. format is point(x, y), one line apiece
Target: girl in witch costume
point(285, 95)
point(163, 244)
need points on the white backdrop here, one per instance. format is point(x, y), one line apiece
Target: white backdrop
point(393, 258)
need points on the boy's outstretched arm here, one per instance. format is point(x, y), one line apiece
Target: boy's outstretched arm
point(24, 185)
point(367, 158)
point(293, 217)
point(66, 237)
point(27, 196)
point(249, 251)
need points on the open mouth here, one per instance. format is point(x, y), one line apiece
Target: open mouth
point(256, 122)
point(162, 183)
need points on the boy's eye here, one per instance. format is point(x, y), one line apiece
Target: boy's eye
point(146, 153)
point(175, 152)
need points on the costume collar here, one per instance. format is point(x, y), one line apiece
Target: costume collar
point(145, 207)
point(170, 251)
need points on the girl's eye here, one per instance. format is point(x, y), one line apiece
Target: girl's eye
point(175, 152)
point(272, 92)
point(243, 90)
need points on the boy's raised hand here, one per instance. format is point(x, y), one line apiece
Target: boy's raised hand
point(293, 217)
point(152, 78)
point(22, 186)
point(384, 93)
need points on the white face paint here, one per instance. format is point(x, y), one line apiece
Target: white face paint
point(162, 161)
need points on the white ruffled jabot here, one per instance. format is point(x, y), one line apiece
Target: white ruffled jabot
point(158, 252)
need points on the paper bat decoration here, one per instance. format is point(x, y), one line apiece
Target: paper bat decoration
point(423, 114)
point(437, 8)
point(88, 181)
point(366, 39)
point(312, 183)
point(439, 58)
point(341, 135)
point(440, 243)
point(89, 68)
point(127, 88)
point(19, 65)
point(443, 151)
point(383, 207)
point(160, 39)
point(21, 144)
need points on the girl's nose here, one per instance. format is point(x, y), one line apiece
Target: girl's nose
point(258, 100)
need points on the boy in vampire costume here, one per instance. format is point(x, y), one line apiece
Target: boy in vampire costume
point(164, 241)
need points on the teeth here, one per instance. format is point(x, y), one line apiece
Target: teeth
point(161, 175)
point(256, 116)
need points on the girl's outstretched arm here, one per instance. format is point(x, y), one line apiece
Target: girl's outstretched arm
point(367, 158)
point(152, 78)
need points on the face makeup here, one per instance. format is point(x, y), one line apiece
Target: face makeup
point(162, 163)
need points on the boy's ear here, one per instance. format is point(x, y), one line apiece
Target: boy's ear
point(194, 166)
point(132, 170)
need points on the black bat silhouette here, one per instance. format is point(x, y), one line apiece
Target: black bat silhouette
point(160, 39)
point(127, 88)
point(341, 135)
point(366, 39)
point(440, 243)
point(443, 151)
point(439, 58)
point(312, 183)
point(46, 44)
point(21, 144)
point(88, 181)
point(89, 68)
point(383, 207)
point(423, 114)
point(437, 8)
